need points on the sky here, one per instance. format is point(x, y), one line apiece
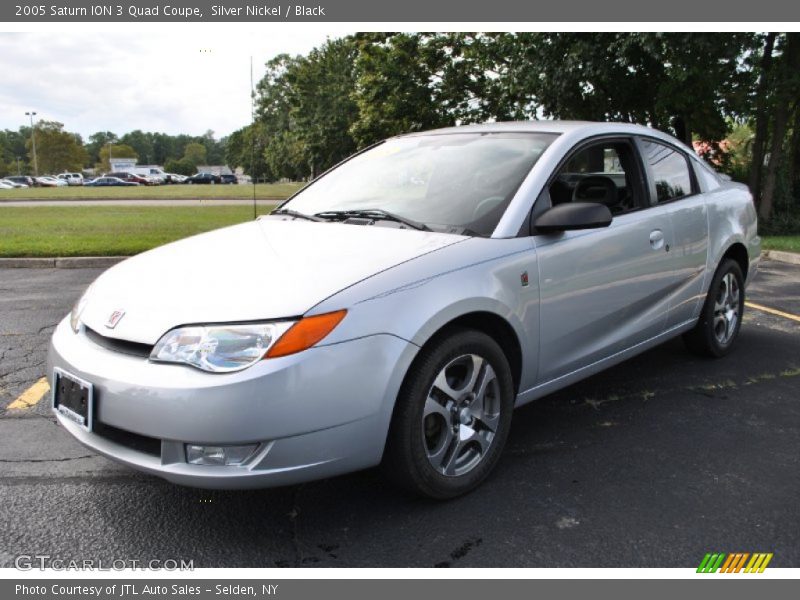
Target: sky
point(173, 81)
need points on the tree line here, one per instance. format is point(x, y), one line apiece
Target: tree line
point(735, 95)
point(59, 150)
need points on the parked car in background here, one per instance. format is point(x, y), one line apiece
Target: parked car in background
point(130, 177)
point(153, 173)
point(23, 179)
point(107, 181)
point(175, 178)
point(152, 179)
point(228, 178)
point(397, 309)
point(207, 178)
point(50, 181)
point(71, 178)
point(12, 183)
point(6, 185)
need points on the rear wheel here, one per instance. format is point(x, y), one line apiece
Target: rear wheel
point(721, 317)
point(452, 417)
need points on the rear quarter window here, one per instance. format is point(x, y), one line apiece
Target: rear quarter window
point(669, 169)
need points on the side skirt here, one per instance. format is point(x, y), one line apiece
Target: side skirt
point(563, 381)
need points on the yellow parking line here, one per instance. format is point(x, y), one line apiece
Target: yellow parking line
point(773, 311)
point(32, 395)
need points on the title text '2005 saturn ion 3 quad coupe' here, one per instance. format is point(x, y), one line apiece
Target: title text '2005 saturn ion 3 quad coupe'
point(397, 309)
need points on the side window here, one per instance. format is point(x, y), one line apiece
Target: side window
point(604, 172)
point(670, 171)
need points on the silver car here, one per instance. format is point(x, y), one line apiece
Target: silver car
point(397, 309)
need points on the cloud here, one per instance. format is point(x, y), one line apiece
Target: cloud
point(183, 81)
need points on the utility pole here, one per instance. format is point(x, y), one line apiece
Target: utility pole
point(32, 114)
point(18, 169)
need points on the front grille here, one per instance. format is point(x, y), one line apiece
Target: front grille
point(134, 441)
point(121, 346)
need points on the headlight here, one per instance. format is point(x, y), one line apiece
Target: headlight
point(218, 348)
point(77, 309)
point(227, 348)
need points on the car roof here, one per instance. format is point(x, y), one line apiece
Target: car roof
point(543, 126)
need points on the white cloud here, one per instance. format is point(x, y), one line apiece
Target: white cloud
point(186, 80)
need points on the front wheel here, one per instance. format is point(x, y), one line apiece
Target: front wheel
point(452, 417)
point(721, 317)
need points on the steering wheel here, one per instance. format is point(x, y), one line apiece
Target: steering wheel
point(596, 188)
point(485, 205)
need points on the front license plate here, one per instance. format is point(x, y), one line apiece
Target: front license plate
point(73, 398)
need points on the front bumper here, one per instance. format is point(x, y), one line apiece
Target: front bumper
point(319, 413)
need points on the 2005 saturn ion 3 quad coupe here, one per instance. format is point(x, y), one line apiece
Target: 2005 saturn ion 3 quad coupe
point(398, 308)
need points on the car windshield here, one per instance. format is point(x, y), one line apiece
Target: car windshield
point(459, 183)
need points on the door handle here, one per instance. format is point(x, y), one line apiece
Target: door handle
point(657, 239)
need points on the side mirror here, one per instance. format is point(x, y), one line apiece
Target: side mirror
point(572, 216)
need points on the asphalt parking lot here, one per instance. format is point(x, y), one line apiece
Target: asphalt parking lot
point(651, 464)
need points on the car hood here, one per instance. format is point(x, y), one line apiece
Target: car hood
point(264, 269)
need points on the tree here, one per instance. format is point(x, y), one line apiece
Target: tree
point(195, 153)
point(786, 94)
point(113, 151)
point(13, 153)
point(180, 166)
point(142, 144)
point(760, 115)
point(321, 108)
point(96, 143)
point(57, 150)
point(393, 91)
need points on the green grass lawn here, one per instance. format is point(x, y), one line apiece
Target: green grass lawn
point(107, 230)
point(155, 192)
point(126, 230)
point(788, 243)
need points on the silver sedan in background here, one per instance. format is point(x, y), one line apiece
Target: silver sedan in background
point(397, 309)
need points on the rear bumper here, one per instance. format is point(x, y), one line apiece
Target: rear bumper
point(315, 414)
point(754, 252)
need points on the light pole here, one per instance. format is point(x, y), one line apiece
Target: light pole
point(19, 172)
point(32, 114)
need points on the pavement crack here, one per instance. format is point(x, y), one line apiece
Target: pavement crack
point(293, 515)
point(46, 460)
point(43, 327)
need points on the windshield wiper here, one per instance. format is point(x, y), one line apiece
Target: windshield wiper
point(293, 213)
point(372, 213)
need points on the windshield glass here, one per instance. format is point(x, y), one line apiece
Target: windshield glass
point(459, 182)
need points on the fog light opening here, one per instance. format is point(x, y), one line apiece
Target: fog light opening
point(221, 456)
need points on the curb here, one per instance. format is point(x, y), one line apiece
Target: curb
point(791, 258)
point(133, 201)
point(67, 262)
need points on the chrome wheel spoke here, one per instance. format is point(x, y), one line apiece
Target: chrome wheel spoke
point(483, 380)
point(440, 454)
point(441, 384)
point(434, 407)
point(486, 421)
point(474, 377)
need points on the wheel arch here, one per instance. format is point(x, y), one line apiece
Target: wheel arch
point(738, 253)
point(496, 327)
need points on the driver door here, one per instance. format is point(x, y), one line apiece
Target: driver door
point(607, 289)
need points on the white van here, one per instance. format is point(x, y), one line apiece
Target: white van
point(150, 171)
point(71, 178)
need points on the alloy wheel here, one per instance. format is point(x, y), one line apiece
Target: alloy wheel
point(726, 309)
point(461, 415)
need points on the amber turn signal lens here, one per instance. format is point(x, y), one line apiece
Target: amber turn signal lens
point(305, 333)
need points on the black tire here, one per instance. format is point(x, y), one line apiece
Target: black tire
point(407, 460)
point(706, 339)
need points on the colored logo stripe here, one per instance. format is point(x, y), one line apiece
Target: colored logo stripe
point(735, 562)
